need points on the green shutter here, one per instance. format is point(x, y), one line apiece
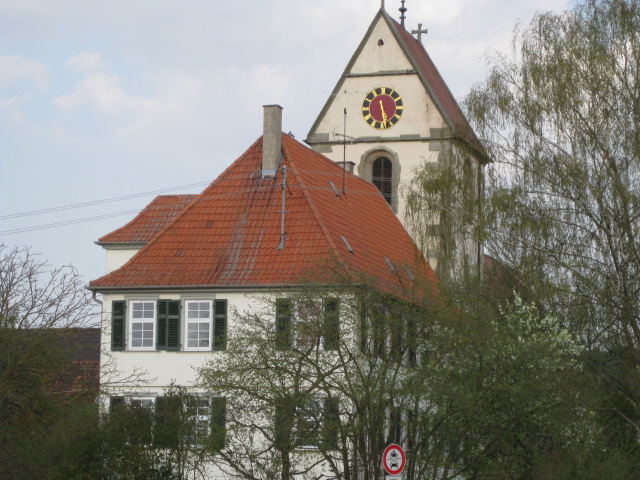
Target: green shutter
point(283, 324)
point(116, 404)
point(397, 336)
point(161, 326)
point(168, 415)
point(173, 325)
point(331, 424)
point(118, 308)
point(218, 423)
point(168, 325)
point(220, 325)
point(412, 340)
point(331, 324)
point(283, 423)
point(379, 316)
point(395, 425)
point(364, 327)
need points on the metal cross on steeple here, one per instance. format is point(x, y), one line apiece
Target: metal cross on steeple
point(402, 9)
point(419, 31)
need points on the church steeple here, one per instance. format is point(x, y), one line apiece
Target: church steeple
point(403, 10)
point(401, 113)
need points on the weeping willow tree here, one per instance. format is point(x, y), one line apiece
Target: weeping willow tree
point(443, 211)
point(560, 117)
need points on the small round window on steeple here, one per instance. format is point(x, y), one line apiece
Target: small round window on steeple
point(380, 43)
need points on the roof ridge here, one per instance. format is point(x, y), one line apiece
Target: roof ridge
point(312, 205)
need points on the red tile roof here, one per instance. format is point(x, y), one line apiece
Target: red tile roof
point(229, 235)
point(153, 218)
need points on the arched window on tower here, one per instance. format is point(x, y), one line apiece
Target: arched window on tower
point(381, 171)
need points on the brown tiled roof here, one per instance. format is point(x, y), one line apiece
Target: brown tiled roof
point(229, 235)
point(149, 221)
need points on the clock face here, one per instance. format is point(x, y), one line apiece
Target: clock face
point(382, 108)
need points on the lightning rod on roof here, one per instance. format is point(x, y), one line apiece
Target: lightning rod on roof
point(284, 205)
point(344, 147)
point(402, 9)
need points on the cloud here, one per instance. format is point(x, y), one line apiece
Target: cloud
point(15, 69)
point(12, 108)
point(101, 93)
point(86, 63)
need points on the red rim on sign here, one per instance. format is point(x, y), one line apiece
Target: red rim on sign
point(393, 459)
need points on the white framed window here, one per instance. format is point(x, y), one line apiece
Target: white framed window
point(142, 402)
point(198, 410)
point(142, 319)
point(198, 323)
point(309, 323)
point(312, 422)
point(309, 422)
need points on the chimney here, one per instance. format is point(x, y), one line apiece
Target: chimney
point(349, 166)
point(271, 139)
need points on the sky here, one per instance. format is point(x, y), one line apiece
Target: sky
point(105, 104)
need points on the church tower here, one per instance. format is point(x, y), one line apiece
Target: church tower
point(391, 112)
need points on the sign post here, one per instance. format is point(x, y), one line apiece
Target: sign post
point(394, 459)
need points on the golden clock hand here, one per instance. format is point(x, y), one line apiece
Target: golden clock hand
point(384, 114)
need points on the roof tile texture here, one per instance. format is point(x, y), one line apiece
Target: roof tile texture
point(149, 221)
point(229, 234)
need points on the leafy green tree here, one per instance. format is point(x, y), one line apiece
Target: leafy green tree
point(511, 383)
point(37, 307)
point(559, 117)
point(173, 438)
point(468, 390)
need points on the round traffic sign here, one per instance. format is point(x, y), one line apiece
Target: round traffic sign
point(393, 459)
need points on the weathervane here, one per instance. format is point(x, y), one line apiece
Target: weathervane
point(419, 31)
point(402, 9)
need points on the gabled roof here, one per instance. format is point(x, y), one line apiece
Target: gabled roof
point(153, 218)
point(228, 236)
point(429, 76)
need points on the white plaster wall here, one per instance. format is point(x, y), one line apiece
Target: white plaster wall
point(161, 368)
point(114, 259)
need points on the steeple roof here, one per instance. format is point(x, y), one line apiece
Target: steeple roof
point(228, 236)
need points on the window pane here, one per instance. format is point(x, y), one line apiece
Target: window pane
point(381, 177)
point(198, 324)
